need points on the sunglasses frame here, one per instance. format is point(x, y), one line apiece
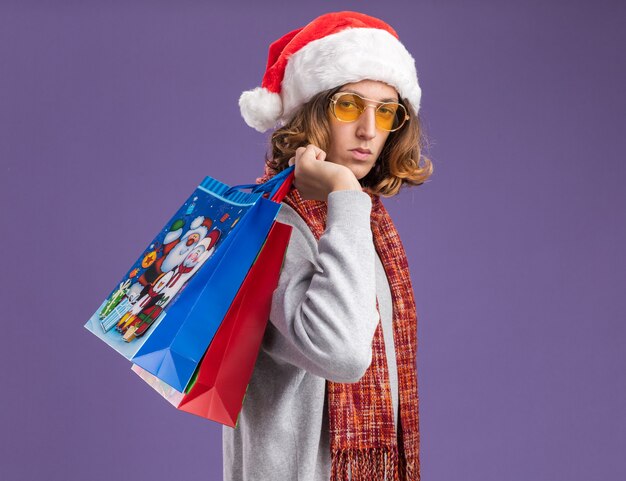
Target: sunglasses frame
point(338, 95)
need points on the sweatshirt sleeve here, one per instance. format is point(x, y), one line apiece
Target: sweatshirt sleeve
point(324, 315)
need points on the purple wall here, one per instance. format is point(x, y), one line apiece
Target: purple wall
point(112, 112)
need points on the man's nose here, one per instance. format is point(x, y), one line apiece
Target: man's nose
point(367, 123)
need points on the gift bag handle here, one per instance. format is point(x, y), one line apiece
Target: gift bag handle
point(276, 188)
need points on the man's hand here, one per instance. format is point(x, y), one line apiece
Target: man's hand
point(315, 178)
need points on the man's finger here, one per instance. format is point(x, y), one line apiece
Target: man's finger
point(315, 148)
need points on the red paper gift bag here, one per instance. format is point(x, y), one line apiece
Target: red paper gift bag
point(217, 390)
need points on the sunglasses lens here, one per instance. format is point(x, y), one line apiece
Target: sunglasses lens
point(348, 107)
point(386, 116)
point(390, 116)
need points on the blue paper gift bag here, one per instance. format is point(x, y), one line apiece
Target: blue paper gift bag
point(166, 309)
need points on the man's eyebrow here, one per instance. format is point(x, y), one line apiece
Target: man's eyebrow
point(365, 96)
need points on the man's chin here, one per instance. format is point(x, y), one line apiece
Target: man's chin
point(360, 171)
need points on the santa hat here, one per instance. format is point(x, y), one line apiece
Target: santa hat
point(332, 50)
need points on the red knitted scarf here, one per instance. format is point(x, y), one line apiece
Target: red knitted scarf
point(362, 431)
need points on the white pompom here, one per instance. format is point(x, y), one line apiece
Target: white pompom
point(260, 108)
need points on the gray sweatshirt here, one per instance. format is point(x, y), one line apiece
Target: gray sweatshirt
point(322, 324)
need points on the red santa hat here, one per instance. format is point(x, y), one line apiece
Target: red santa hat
point(332, 50)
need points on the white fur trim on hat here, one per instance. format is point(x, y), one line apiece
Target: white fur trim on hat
point(348, 56)
point(260, 108)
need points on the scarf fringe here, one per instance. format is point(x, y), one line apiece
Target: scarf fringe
point(408, 471)
point(373, 464)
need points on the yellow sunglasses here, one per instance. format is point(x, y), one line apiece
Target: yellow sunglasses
point(348, 107)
